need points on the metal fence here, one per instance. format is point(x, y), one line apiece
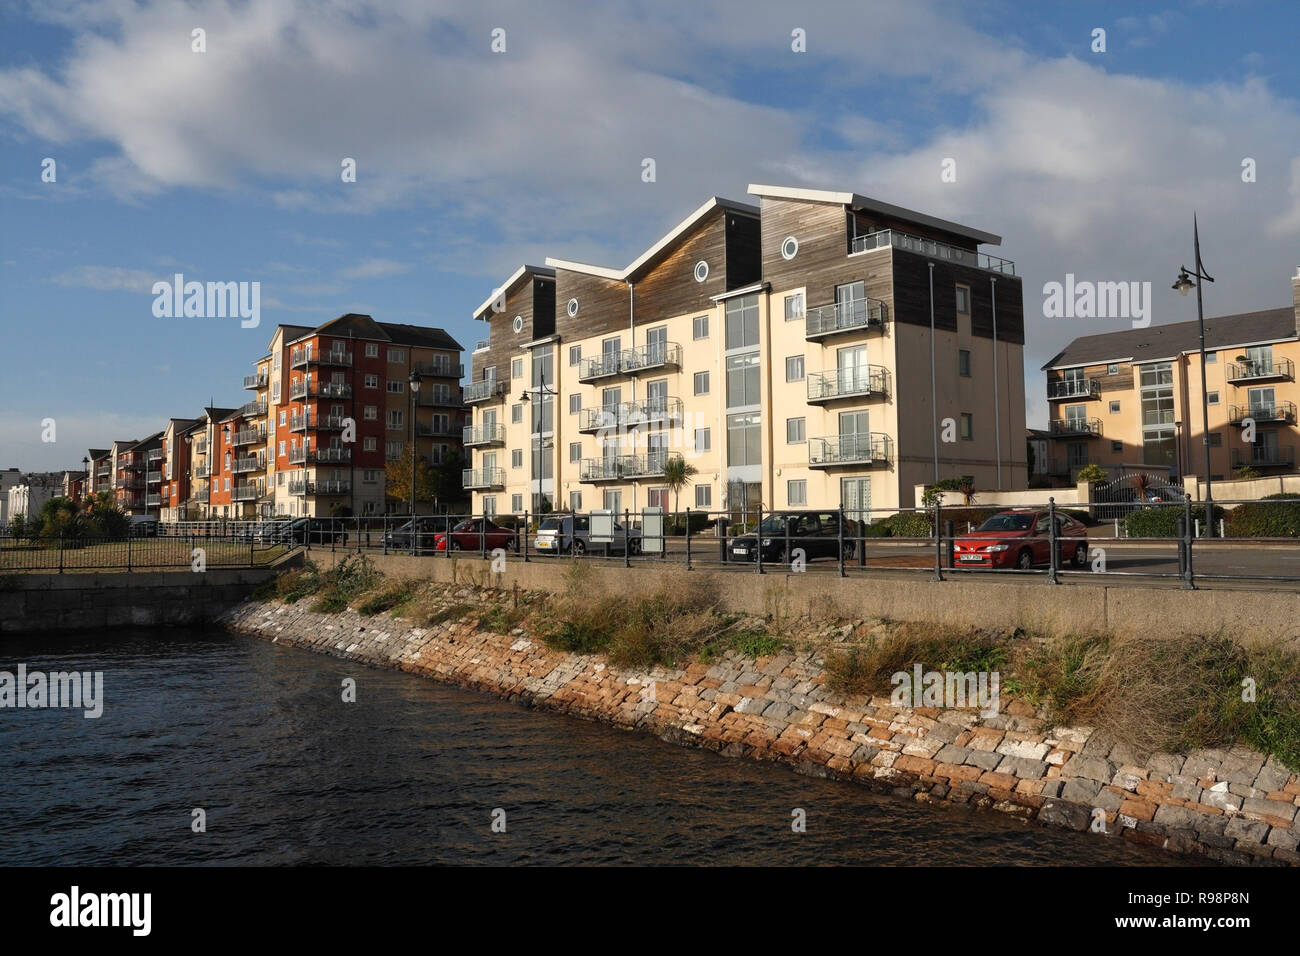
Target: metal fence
point(1151, 539)
point(135, 553)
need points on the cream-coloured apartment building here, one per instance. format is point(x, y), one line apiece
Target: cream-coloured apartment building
point(816, 349)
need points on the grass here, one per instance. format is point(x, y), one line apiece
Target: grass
point(153, 553)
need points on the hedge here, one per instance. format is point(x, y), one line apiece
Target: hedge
point(1161, 521)
point(1277, 516)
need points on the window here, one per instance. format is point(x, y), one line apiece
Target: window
point(281, 449)
point(794, 307)
point(703, 496)
point(279, 478)
point(393, 450)
point(517, 368)
point(397, 356)
point(275, 363)
point(794, 430)
point(370, 444)
point(1216, 440)
point(575, 403)
point(516, 458)
point(1211, 358)
point(744, 439)
point(516, 503)
point(1114, 408)
point(372, 350)
point(967, 427)
point(963, 362)
point(789, 247)
point(1112, 369)
point(1117, 447)
point(796, 492)
point(396, 418)
point(396, 386)
point(700, 327)
point(701, 271)
point(794, 368)
point(575, 354)
point(701, 383)
point(282, 416)
point(518, 323)
point(370, 475)
point(372, 381)
point(575, 501)
point(370, 413)
point(613, 500)
point(489, 506)
point(516, 414)
point(1212, 398)
point(742, 380)
point(575, 451)
point(742, 322)
point(963, 300)
point(703, 439)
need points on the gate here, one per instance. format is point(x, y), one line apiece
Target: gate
point(1119, 496)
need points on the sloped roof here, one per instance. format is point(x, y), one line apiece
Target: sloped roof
point(420, 336)
point(509, 285)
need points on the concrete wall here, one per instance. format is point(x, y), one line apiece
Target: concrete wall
point(77, 602)
point(910, 596)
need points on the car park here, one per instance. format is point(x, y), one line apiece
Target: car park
point(818, 533)
point(1021, 539)
point(571, 534)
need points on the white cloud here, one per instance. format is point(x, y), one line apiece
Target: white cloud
point(376, 269)
point(108, 279)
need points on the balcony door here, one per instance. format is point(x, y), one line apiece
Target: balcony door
point(1264, 450)
point(1076, 417)
point(489, 466)
point(656, 345)
point(853, 371)
point(609, 349)
point(657, 452)
point(850, 300)
point(1262, 402)
point(656, 399)
point(855, 435)
point(855, 498)
point(1259, 360)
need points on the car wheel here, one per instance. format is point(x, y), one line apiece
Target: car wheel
point(579, 547)
point(1024, 560)
point(455, 545)
point(512, 544)
point(849, 550)
point(634, 546)
point(1081, 556)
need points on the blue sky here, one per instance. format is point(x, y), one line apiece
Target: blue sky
point(225, 165)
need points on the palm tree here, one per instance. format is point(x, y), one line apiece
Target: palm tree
point(678, 473)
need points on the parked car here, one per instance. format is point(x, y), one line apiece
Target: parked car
point(313, 531)
point(142, 526)
point(472, 533)
point(428, 527)
point(266, 532)
point(571, 534)
point(1020, 539)
point(816, 532)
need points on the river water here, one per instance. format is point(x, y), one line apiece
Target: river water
point(258, 737)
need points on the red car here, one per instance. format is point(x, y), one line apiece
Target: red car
point(1019, 539)
point(472, 533)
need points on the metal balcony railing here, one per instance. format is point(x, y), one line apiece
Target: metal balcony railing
point(1262, 412)
point(1278, 368)
point(323, 456)
point(202, 471)
point(242, 466)
point(622, 467)
point(250, 491)
point(486, 390)
point(153, 500)
point(311, 488)
point(308, 422)
point(482, 345)
point(153, 477)
point(652, 358)
point(869, 380)
point(308, 356)
point(200, 493)
point(103, 470)
point(249, 436)
point(438, 398)
point(600, 366)
point(303, 389)
point(858, 315)
point(1074, 388)
point(930, 247)
point(1068, 427)
point(440, 369)
point(154, 454)
point(255, 381)
point(483, 478)
point(1259, 456)
point(474, 435)
point(855, 449)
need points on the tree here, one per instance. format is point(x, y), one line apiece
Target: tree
point(678, 473)
point(397, 476)
point(1091, 473)
point(1245, 472)
point(967, 490)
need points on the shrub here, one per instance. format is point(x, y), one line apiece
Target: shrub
point(757, 643)
point(1265, 519)
point(849, 671)
point(390, 597)
point(344, 582)
point(1091, 473)
point(1161, 521)
point(675, 524)
point(905, 524)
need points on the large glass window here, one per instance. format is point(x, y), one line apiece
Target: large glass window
point(744, 439)
point(742, 322)
point(742, 380)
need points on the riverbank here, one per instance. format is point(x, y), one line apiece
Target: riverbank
point(777, 703)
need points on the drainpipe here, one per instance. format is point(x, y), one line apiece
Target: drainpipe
point(631, 334)
point(997, 402)
point(934, 387)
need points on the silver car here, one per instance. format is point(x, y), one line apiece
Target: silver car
point(571, 534)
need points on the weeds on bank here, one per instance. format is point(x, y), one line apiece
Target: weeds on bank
point(865, 666)
point(392, 596)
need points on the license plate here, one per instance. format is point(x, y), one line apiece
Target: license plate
point(970, 557)
point(741, 550)
point(543, 544)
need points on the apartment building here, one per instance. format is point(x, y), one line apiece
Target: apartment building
point(785, 349)
point(174, 491)
point(204, 451)
point(1132, 399)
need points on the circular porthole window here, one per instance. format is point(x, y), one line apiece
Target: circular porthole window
point(701, 271)
point(789, 248)
point(519, 323)
point(572, 308)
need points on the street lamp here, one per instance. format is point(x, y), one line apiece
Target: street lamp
point(414, 382)
point(1178, 448)
point(541, 389)
point(1187, 279)
point(85, 464)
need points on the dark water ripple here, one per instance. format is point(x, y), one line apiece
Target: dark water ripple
point(288, 774)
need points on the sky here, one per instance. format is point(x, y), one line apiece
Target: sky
point(225, 165)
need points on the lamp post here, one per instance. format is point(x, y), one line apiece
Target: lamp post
point(1183, 285)
point(541, 389)
point(1178, 448)
point(414, 382)
point(85, 464)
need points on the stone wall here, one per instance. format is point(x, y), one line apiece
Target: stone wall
point(94, 601)
point(1230, 805)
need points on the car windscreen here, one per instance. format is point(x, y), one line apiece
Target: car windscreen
point(774, 524)
point(1007, 523)
point(465, 526)
point(550, 524)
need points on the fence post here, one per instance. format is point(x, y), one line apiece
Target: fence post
point(525, 535)
point(482, 534)
point(938, 539)
point(128, 549)
point(627, 548)
point(758, 541)
point(688, 538)
point(841, 539)
point(789, 555)
point(1189, 581)
point(1054, 558)
point(60, 553)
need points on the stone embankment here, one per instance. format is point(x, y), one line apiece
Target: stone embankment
point(1231, 805)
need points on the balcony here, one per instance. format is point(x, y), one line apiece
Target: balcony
point(1075, 428)
point(858, 315)
point(1263, 412)
point(601, 366)
point(483, 478)
point(153, 477)
point(202, 471)
point(482, 345)
point(243, 466)
point(250, 491)
point(304, 389)
point(313, 488)
point(440, 369)
point(323, 456)
point(153, 500)
point(249, 436)
point(487, 390)
point(131, 482)
point(624, 467)
point(870, 381)
point(929, 247)
point(154, 454)
point(253, 410)
point(437, 398)
point(875, 448)
point(630, 415)
point(257, 381)
point(104, 470)
point(308, 422)
point(1279, 369)
point(482, 436)
point(200, 493)
point(1257, 456)
point(1082, 388)
point(302, 357)
point(652, 358)
point(435, 430)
